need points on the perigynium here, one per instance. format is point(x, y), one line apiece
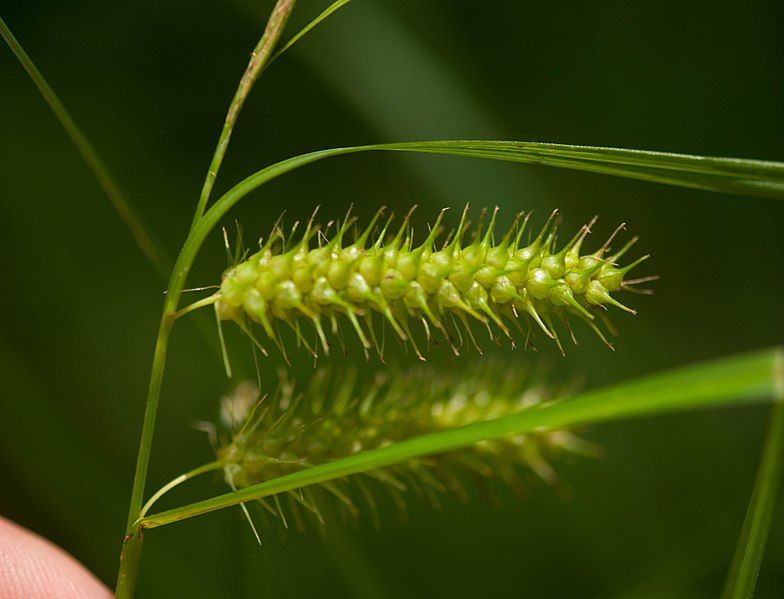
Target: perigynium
point(334, 417)
point(500, 283)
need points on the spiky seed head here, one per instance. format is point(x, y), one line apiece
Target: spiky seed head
point(335, 417)
point(530, 285)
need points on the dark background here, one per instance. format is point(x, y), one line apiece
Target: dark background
point(149, 82)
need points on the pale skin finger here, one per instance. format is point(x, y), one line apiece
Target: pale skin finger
point(33, 568)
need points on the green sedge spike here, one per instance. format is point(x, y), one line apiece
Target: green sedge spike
point(335, 417)
point(383, 276)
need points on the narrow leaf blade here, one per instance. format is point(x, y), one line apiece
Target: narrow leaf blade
point(741, 379)
point(728, 175)
point(335, 6)
point(742, 577)
point(135, 223)
point(737, 176)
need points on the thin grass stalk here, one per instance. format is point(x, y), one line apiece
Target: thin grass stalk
point(177, 282)
point(130, 557)
point(176, 285)
point(145, 240)
point(139, 229)
point(131, 552)
point(746, 562)
point(258, 58)
point(129, 567)
point(151, 411)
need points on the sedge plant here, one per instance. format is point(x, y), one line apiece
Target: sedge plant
point(423, 429)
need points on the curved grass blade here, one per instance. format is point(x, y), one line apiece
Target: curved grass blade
point(729, 175)
point(757, 178)
point(738, 380)
point(742, 577)
point(139, 229)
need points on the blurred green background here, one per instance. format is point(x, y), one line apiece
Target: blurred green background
point(149, 82)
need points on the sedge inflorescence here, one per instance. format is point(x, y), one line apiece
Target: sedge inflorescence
point(335, 417)
point(473, 277)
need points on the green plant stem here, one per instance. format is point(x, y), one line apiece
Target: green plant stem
point(139, 229)
point(151, 408)
point(130, 557)
point(131, 552)
point(177, 281)
point(179, 275)
point(743, 379)
point(743, 573)
point(258, 58)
